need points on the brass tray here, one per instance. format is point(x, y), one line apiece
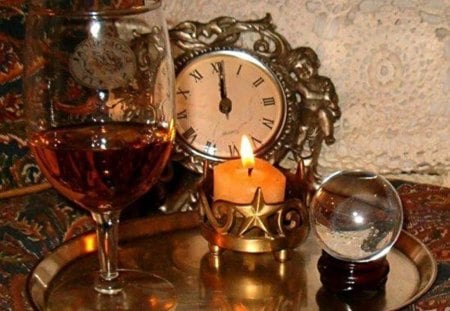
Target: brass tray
point(172, 247)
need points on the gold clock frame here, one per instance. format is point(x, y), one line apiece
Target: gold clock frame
point(300, 137)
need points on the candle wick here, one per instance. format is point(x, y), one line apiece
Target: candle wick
point(249, 171)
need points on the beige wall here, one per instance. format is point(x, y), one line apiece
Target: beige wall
point(390, 63)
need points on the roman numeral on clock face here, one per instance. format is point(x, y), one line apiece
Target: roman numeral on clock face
point(258, 82)
point(182, 114)
point(210, 148)
point(183, 93)
point(234, 151)
point(196, 75)
point(268, 101)
point(190, 135)
point(238, 70)
point(268, 123)
point(256, 142)
point(216, 67)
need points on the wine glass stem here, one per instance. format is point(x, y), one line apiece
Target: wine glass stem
point(107, 240)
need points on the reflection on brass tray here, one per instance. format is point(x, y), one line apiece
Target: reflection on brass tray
point(254, 281)
point(241, 280)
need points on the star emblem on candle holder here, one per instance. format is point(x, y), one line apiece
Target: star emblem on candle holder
point(256, 214)
point(253, 227)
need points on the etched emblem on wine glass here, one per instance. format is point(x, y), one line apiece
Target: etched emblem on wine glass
point(105, 63)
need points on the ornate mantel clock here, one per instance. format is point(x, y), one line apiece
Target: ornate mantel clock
point(242, 77)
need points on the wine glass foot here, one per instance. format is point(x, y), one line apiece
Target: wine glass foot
point(108, 287)
point(138, 290)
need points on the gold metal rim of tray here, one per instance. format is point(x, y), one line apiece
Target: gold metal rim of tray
point(181, 253)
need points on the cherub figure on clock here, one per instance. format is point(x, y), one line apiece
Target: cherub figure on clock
point(317, 107)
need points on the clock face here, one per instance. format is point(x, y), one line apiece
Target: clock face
point(222, 95)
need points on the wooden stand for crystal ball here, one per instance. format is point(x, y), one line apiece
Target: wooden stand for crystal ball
point(343, 277)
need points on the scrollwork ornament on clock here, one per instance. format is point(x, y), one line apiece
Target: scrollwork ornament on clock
point(242, 77)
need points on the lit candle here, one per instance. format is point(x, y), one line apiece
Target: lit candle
point(237, 180)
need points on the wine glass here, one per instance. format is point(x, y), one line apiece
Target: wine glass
point(98, 89)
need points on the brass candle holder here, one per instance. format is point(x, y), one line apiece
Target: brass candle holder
point(254, 227)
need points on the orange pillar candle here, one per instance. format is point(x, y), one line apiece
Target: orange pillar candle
point(237, 180)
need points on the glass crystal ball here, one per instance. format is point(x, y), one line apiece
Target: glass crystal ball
point(356, 215)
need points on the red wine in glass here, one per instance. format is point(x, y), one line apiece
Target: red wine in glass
point(97, 165)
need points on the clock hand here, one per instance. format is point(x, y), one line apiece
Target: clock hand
point(223, 89)
point(225, 105)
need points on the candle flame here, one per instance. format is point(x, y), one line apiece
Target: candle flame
point(247, 157)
